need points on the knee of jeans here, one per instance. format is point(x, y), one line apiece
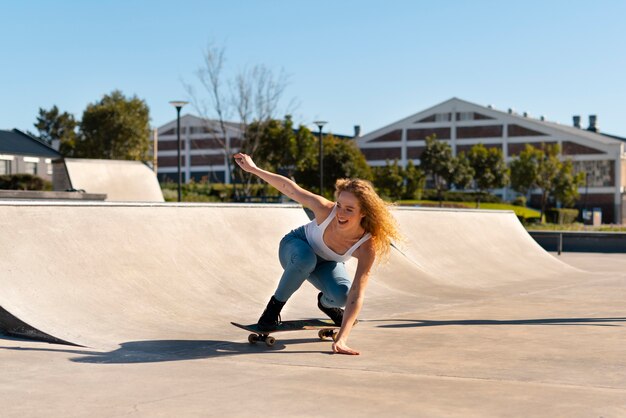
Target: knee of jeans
point(338, 296)
point(304, 261)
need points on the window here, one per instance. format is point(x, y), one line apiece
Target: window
point(5, 167)
point(430, 118)
point(599, 173)
point(443, 117)
point(390, 136)
point(437, 117)
point(416, 134)
point(381, 153)
point(30, 168)
point(572, 148)
point(201, 130)
point(491, 131)
point(471, 116)
point(31, 165)
point(169, 145)
point(517, 130)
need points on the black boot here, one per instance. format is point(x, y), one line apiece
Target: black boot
point(336, 314)
point(270, 319)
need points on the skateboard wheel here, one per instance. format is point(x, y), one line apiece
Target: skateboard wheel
point(269, 341)
point(325, 334)
point(334, 336)
point(253, 338)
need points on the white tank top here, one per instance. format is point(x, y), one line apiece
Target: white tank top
point(315, 237)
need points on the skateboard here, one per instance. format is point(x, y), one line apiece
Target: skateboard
point(325, 329)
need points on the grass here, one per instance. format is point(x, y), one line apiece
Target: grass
point(522, 212)
point(519, 210)
point(576, 227)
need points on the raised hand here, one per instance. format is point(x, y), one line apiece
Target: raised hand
point(245, 162)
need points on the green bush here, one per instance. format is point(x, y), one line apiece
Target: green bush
point(519, 201)
point(561, 216)
point(24, 182)
point(218, 192)
point(530, 220)
point(450, 196)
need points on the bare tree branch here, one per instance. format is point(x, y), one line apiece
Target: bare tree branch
point(254, 94)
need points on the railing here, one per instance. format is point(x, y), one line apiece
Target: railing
point(581, 241)
point(259, 199)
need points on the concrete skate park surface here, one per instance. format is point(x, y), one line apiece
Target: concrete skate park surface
point(470, 317)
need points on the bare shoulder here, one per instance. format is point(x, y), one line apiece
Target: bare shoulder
point(366, 253)
point(321, 207)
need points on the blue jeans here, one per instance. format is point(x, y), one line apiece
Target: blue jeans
point(301, 263)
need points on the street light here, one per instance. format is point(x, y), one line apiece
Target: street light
point(320, 124)
point(178, 104)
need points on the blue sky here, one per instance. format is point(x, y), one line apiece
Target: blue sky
point(349, 62)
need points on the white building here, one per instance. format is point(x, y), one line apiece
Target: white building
point(203, 149)
point(463, 124)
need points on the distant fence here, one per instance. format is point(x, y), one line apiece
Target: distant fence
point(259, 199)
point(577, 241)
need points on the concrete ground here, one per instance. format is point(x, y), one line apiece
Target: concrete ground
point(555, 352)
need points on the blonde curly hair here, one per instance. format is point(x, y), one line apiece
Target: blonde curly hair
point(378, 220)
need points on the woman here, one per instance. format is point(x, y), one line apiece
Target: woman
point(357, 225)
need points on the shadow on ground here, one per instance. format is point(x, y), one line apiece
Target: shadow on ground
point(178, 350)
point(173, 350)
point(410, 323)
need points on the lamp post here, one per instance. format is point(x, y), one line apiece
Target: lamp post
point(178, 104)
point(320, 124)
point(585, 211)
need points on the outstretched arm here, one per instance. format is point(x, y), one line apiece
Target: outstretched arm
point(284, 185)
point(366, 255)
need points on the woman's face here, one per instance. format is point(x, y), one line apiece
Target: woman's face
point(349, 212)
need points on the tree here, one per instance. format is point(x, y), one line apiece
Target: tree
point(463, 172)
point(542, 169)
point(437, 162)
point(394, 182)
point(567, 183)
point(389, 180)
point(342, 159)
point(414, 181)
point(55, 126)
point(253, 94)
point(524, 169)
point(116, 127)
point(279, 147)
point(547, 171)
point(490, 170)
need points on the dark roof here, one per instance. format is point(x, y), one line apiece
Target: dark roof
point(17, 142)
point(613, 136)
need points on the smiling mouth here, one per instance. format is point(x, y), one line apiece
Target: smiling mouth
point(342, 222)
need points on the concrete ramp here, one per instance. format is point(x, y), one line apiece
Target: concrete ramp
point(99, 275)
point(474, 248)
point(102, 274)
point(130, 181)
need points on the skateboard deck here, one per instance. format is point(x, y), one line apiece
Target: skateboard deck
point(326, 329)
